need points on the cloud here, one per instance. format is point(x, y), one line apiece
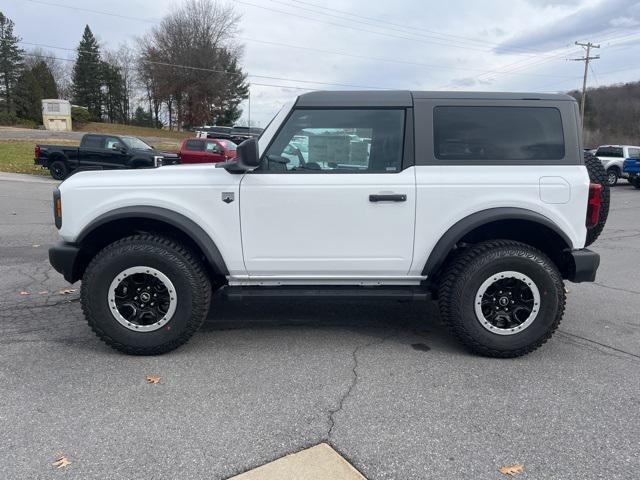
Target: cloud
point(586, 22)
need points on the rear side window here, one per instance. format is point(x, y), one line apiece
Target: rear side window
point(92, 142)
point(615, 152)
point(194, 145)
point(498, 133)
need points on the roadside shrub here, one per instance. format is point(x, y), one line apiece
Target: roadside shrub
point(80, 116)
point(8, 118)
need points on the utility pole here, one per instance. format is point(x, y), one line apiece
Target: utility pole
point(586, 59)
point(249, 121)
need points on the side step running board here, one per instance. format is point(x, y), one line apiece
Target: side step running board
point(333, 292)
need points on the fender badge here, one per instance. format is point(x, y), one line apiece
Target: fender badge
point(227, 197)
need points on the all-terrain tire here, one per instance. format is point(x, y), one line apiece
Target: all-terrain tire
point(597, 174)
point(463, 278)
point(162, 254)
point(58, 170)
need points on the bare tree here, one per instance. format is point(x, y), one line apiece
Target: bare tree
point(190, 63)
point(60, 69)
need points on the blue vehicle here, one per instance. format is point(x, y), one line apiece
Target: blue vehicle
point(631, 166)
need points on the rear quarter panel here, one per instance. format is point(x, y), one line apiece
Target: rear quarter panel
point(446, 192)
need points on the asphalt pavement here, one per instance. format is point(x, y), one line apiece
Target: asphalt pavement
point(382, 382)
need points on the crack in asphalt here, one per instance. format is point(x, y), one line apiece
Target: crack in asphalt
point(354, 382)
point(44, 305)
point(635, 292)
point(598, 343)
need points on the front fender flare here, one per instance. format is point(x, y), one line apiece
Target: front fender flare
point(176, 220)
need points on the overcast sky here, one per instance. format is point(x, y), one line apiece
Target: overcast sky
point(499, 45)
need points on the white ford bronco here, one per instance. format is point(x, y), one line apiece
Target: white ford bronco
point(481, 201)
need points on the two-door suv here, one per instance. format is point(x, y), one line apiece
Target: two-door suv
point(479, 200)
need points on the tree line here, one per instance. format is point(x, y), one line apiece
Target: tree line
point(611, 115)
point(184, 72)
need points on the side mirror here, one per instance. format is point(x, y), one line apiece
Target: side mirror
point(247, 157)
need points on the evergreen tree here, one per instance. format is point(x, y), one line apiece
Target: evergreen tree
point(114, 93)
point(86, 75)
point(235, 90)
point(28, 97)
point(44, 77)
point(142, 118)
point(11, 60)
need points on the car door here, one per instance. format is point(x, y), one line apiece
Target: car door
point(193, 151)
point(344, 212)
point(114, 154)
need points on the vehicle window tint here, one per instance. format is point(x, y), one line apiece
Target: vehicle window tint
point(634, 153)
point(498, 133)
point(213, 147)
point(194, 145)
point(339, 141)
point(112, 142)
point(615, 152)
point(92, 142)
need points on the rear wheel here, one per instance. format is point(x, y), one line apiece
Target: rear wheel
point(145, 294)
point(58, 170)
point(502, 298)
point(598, 175)
point(612, 176)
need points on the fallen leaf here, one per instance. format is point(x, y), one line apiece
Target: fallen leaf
point(153, 379)
point(61, 462)
point(24, 293)
point(67, 291)
point(512, 469)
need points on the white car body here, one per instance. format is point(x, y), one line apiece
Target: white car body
point(322, 229)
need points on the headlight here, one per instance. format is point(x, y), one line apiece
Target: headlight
point(157, 161)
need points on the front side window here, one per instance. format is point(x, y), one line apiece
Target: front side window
point(338, 141)
point(498, 133)
point(134, 142)
point(213, 147)
point(112, 142)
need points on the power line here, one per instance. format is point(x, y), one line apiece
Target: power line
point(211, 70)
point(420, 40)
point(386, 23)
point(388, 26)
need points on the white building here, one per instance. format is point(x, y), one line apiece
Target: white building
point(56, 115)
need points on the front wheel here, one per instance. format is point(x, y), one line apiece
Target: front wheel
point(502, 298)
point(612, 176)
point(145, 294)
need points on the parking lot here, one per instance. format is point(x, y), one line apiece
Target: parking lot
point(381, 382)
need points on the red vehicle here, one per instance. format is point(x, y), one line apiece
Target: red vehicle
point(206, 150)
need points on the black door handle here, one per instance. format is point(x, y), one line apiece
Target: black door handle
point(394, 197)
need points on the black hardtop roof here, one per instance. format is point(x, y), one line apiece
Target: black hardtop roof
point(404, 98)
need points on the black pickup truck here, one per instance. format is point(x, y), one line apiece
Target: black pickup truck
point(98, 152)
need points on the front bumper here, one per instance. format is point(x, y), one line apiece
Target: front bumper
point(66, 259)
point(583, 265)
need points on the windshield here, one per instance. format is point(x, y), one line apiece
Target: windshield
point(133, 142)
